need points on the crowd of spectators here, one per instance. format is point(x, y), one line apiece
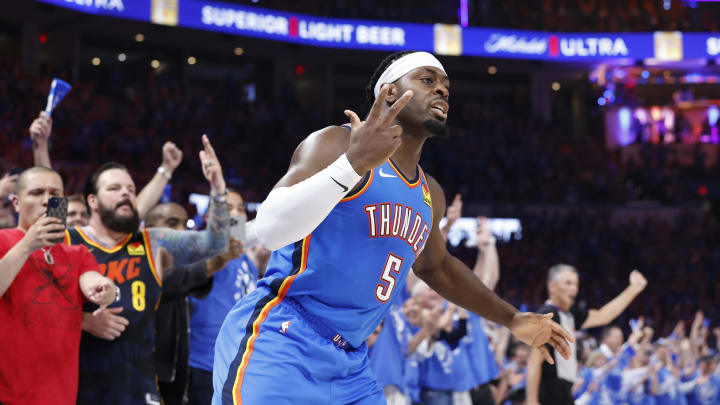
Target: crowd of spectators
point(679, 260)
point(497, 155)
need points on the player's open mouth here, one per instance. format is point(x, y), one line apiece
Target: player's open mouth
point(440, 109)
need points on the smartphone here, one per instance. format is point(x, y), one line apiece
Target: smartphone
point(57, 208)
point(237, 228)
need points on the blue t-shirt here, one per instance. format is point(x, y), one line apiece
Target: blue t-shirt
point(608, 392)
point(387, 355)
point(238, 278)
point(412, 368)
point(668, 389)
point(481, 359)
point(706, 394)
point(586, 374)
point(445, 368)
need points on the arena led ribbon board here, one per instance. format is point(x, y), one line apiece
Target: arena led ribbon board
point(442, 39)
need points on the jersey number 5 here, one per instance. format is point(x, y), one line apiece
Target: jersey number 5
point(388, 279)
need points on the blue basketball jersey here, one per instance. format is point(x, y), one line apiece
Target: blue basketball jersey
point(347, 271)
point(482, 361)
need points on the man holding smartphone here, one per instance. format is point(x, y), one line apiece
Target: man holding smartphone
point(42, 286)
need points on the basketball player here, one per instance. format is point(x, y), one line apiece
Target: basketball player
point(122, 370)
point(347, 222)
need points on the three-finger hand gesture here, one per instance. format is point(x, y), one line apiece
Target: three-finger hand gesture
point(537, 330)
point(211, 167)
point(372, 142)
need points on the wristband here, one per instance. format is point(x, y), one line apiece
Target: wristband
point(219, 198)
point(164, 172)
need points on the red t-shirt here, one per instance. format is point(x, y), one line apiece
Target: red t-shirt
point(40, 324)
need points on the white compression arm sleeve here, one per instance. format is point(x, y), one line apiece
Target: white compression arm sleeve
point(289, 214)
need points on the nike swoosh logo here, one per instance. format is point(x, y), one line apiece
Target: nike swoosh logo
point(345, 189)
point(385, 174)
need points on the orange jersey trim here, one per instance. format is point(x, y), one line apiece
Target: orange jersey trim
point(402, 176)
point(237, 386)
point(148, 253)
point(362, 190)
point(113, 249)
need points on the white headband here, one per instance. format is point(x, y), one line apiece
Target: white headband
point(405, 64)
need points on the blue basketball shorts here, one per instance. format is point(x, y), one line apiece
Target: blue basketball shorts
point(268, 352)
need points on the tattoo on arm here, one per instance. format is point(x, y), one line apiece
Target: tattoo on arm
point(192, 246)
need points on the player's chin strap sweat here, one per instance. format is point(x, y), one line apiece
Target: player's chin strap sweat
point(289, 214)
point(403, 65)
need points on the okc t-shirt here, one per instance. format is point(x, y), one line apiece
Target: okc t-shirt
point(40, 325)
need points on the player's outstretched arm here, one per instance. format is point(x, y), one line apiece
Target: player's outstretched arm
point(325, 168)
point(452, 279)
